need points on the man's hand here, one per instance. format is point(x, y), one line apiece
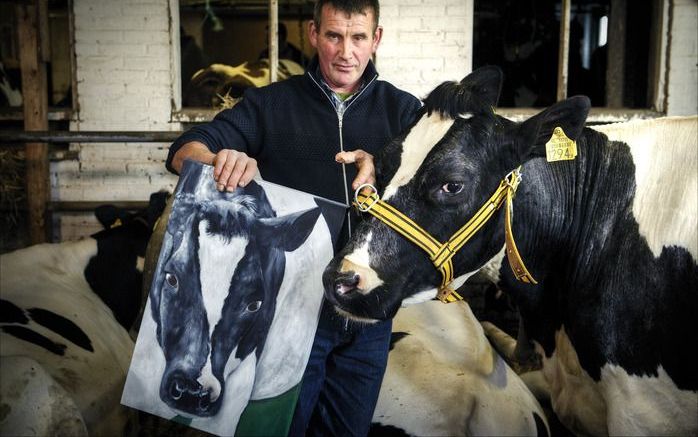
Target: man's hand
point(232, 168)
point(364, 163)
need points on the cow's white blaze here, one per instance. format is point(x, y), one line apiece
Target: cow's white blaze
point(208, 381)
point(218, 258)
point(665, 154)
point(422, 138)
point(359, 262)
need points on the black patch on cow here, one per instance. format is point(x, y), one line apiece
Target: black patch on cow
point(30, 336)
point(61, 326)
point(11, 313)
point(541, 429)
point(112, 273)
point(380, 430)
point(395, 337)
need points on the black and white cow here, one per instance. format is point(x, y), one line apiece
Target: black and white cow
point(444, 378)
point(215, 300)
point(63, 354)
point(610, 237)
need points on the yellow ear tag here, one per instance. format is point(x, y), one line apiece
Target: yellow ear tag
point(116, 224)
point(560, 147)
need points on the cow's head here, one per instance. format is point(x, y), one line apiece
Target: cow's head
point(214, 298)
point(439, 172)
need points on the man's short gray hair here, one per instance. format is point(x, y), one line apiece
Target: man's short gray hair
point(348, 6)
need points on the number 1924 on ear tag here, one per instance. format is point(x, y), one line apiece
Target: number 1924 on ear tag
point(560, 147)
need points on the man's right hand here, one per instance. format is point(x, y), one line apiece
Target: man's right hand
point(232, 168)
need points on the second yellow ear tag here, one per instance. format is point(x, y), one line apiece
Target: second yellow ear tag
point(560, 147)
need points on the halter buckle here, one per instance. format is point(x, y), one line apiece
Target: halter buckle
point(371, 198)
point(513, 178)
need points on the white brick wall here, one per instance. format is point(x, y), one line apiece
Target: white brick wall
point(425, 42)
point(127, 74)
point(125, 77)
point(682, 77)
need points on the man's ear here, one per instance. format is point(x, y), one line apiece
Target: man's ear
point(377, 35)
point(569, 114)
point(313, 33)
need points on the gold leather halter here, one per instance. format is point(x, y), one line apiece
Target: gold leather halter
point(366, 199)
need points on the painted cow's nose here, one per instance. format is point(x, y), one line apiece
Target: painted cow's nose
point(189, 396)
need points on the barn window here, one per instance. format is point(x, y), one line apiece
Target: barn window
point(228, 34)
point(54, 26)
point(551, 49)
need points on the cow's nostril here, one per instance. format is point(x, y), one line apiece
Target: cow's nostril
point(176, 391)
point(204, 401)
point(346, 283)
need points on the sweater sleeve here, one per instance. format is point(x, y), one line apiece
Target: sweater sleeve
point(237, 128)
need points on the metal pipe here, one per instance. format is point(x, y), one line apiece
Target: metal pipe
point(564, 51)
point(8, 137)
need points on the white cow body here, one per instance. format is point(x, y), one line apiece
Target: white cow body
point(50, 276)
point(444, 378)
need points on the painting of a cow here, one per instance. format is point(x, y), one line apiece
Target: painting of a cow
point(234, 301)
point(609, 235)
point(65, 311)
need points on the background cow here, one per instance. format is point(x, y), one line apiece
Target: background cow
point(63, 355)
point(219, 84)
point(610, 237)
point(444, 378)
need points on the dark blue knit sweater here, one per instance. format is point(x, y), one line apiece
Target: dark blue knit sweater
point(293, 131)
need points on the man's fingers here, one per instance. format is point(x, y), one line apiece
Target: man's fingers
point(364, 165)
point(233, 168)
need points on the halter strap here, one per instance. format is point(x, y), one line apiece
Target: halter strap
point(441, 254)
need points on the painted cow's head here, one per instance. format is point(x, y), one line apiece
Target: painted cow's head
point(439, 172)
point(214, 300)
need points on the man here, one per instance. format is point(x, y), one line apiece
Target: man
point(296, 131)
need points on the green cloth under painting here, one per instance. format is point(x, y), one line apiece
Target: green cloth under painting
point(269, 417)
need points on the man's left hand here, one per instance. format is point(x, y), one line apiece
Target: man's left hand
point(364, 164)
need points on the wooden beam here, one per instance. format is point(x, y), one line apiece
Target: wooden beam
point(563, 51)
point(615, 70)
point(273, 40)
point(35, 94)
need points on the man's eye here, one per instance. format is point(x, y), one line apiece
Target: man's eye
point(452, 187)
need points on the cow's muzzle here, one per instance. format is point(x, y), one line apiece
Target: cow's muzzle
point(187, 395)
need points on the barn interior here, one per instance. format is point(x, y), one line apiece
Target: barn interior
point(633, 59)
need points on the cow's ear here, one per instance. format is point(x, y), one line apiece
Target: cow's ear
point(108, 215)
point(485, 83)
point(287, 232)
point(569, 114)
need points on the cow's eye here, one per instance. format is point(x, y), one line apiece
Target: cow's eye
point(171, 280)
point(452, 187)
point(254, 306)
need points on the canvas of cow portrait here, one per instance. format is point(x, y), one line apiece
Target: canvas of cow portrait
point(233, 306)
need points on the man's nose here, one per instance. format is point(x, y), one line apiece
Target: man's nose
point(346, 48)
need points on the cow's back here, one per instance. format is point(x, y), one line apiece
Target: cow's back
point(665, 155)
point(50, 277)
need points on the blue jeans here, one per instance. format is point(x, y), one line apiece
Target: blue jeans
point(343, 377)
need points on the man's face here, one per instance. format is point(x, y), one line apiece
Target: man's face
point(345, 44)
